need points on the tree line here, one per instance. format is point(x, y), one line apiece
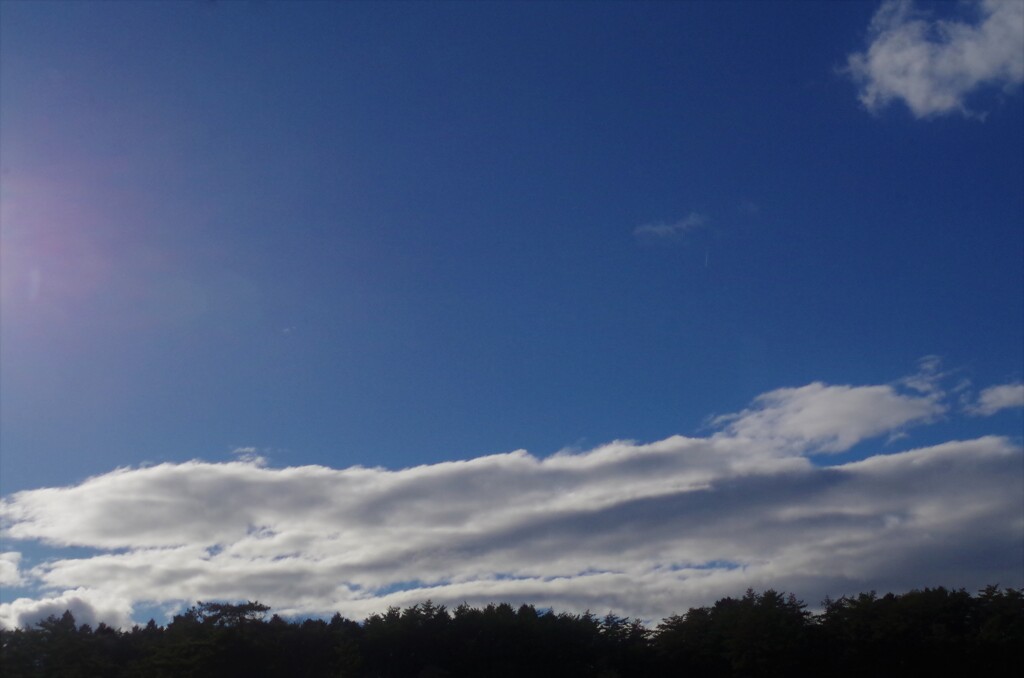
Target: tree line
point(923, 632)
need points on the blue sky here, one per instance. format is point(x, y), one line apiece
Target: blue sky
point(271, 237)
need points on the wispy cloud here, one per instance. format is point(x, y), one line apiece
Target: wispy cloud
point(249, 455)
point(996, 398)
point(662, 230)
point(933, 65)
point(748, 208)
point(645, 529)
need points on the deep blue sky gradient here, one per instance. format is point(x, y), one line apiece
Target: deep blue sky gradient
point(394, 234)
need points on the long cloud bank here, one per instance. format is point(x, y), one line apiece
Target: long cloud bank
point(644, 529)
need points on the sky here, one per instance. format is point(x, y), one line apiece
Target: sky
point(607, 306)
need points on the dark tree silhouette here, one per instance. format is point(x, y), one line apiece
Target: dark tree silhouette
point(759, 634)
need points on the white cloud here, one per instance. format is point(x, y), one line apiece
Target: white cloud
point(644, 529)
point(88, 607)
point(821, 418)
point(662, 230)
point(933, 65)
point(249, 455)
point(929, 376)
point(10, 575)
point(996, 398)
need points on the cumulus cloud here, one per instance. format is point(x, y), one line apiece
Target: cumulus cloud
point(998, 398)
point(662, 230)
point(644, 529)
point(933, 65)
point(88, 606)
point(10, 575)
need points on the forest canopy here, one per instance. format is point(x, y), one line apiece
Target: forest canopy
point(756, 634)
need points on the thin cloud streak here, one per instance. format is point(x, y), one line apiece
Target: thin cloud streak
point(662, 230)
point(645, 529)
